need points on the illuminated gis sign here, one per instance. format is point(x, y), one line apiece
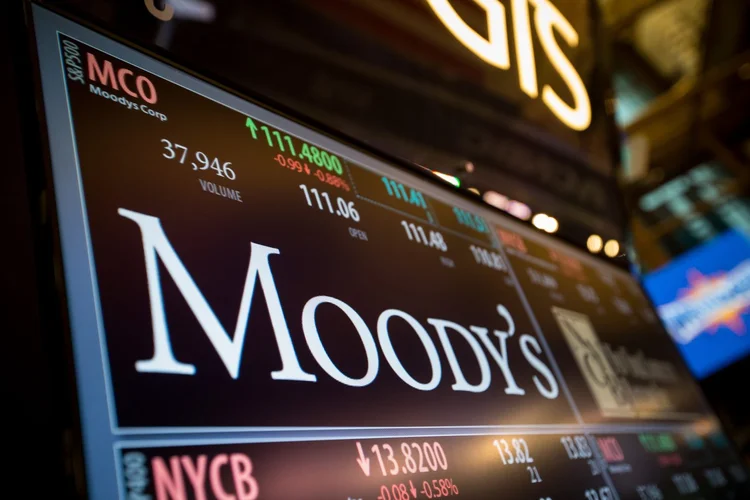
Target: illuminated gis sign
point(495, 50)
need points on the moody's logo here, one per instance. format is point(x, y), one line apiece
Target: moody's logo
point(104, 72)
point(709, 303)
point(489, 347)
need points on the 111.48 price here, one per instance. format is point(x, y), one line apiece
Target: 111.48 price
point(429, 238)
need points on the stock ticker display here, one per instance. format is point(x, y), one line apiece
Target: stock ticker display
point(260, 311)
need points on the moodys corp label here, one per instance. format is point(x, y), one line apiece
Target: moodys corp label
point(102, 71)
point(710, 302)
point(110, 78)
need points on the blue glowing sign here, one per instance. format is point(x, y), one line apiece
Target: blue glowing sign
point(703, 297)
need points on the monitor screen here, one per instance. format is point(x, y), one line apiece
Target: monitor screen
point(261, 310)
point(703, 297)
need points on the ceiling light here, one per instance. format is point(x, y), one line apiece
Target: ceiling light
point(552, 225)
point(540, 221)
point(612, 248)
point(545, 223)
point(595, 243)
point(496, 199)
point(519, 210)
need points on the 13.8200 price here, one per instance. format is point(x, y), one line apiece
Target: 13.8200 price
point(414, 457)
point(198, 159)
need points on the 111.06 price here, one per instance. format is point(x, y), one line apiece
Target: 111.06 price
point(322, 201)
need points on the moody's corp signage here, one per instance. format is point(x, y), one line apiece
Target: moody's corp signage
point(495, 50)
point(487, 346)
point(110, 80)
point(105, 80)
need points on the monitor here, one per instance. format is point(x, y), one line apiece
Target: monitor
point(703, 297)
point(259, 309)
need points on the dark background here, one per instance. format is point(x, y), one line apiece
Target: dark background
point(39, 407)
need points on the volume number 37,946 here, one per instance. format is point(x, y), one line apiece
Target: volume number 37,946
point(198, 159)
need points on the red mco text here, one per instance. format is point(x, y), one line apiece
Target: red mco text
point(139, 87)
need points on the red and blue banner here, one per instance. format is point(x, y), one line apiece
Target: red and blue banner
point(704, 300)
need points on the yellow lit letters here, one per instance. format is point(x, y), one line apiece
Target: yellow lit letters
point(494, 50)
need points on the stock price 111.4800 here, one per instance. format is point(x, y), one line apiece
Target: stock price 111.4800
point(295, 147)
